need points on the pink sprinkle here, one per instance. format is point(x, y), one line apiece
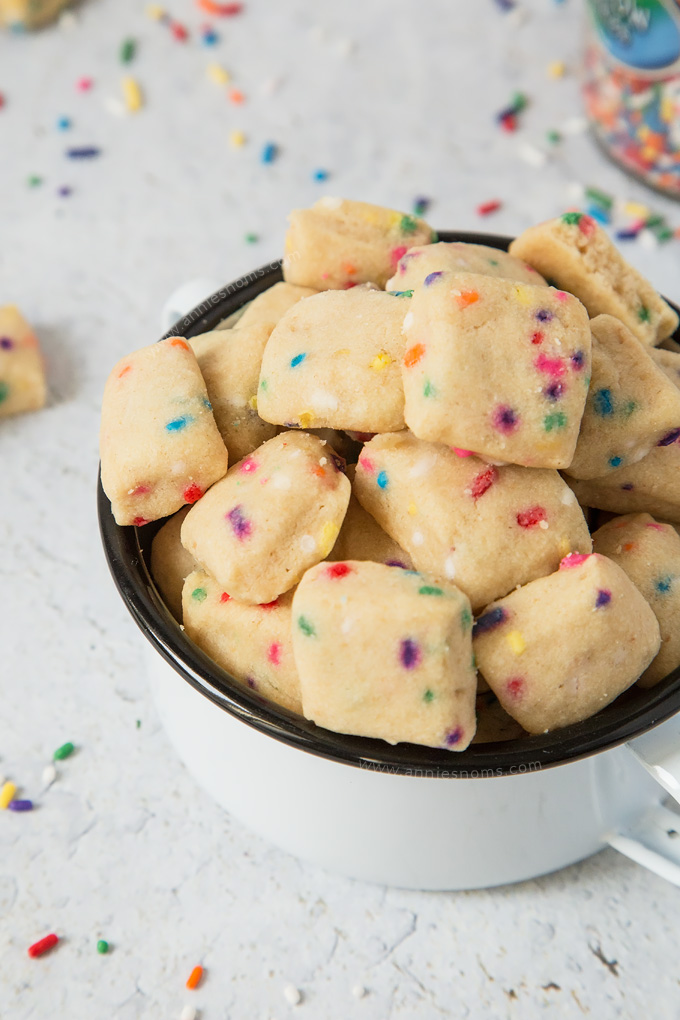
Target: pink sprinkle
point(530, 518)
point(462, 453)
point(248, 466)
point(655, 526)
point(550, 366)
point(515, 687)
point(561, 295)
point(141, 490)
point(397, 253)
point(573, 560)
point(483, 482)
point(325, 275)
point(587, 226)
point(488, 207)
point(84, 84)
point(366, 464)
point(274, 653)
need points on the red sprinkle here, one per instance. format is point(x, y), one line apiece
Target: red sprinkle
point(270, 605)
point(2, 100)
point(529, 518)
point(515, 687)
point(224, 597)
point(587, 226)
point(337, 570)
point(43, 945)
point(509, 122)
point(538, 337)
point(488, 207)
point(192, 493)
point(483, 482)
point(274, 653)
point(139, 522)
point(179, 31)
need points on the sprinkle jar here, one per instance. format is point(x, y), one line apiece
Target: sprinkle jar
point(632, 86)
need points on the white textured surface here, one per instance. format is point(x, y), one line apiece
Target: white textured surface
point(123, 846)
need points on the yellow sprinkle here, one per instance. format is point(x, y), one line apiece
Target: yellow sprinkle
point(667, 110)
point(557, 69)
point(132, 94)
point(648, 152)
point(636, 210)
point(644, 131)
point(381, 361)
point(237, 139)
point(306, 419)
point(218, 74)
point(7, 794)
point(412, 509)
point(252, 403)
point(516, 642)
point(394, 218)
point(565, 547)
point(155, 12)
point(329, 533)
point(524, 295)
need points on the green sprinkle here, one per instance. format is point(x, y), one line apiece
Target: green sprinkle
point(663, 234)
point(644, 313)
point(263, 384)
point(434, 238)
point(558, 420)
point(102, 946)
point(428, 696)
point(251, 238)
point(429, 390)
point(601, 197)
point(630, 407)
point(430, 589)
point(655, 220)
point(493, 262)
point(34, 181)
point(64, 751)
point(408, 225)
point(519, 102)
point(139, 724)
point(473, 661)
point(553, 137)
point(572, 219)
point(466, 618)
point(199, 594)
point(127, 51)
point(306, 627)
point(4, 391)
point(401, 293)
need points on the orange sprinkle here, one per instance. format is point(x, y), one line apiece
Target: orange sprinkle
point(194, 977)
point(348, 268)
point(124, 371)
point(236, 97)
point(467, 297)
point(318, 471)
point(628, 546)
point(413, 355)
point(176, 341)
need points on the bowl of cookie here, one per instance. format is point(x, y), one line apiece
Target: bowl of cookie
point(397, 515)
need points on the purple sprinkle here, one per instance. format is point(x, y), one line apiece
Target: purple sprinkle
point(339, 463)
point(489, 621)
point(544, 315)
point(251, 683)
point(670, 438)
point(239, 524)
point(409, 653)
point(505, 419)
point(554, 391)
point(396, 563)
point(84, 152)
point(578, 360)
point(6, 344)
point(627, 486)
point(432, 278)
point(604, 597)
point(20, 805)
point(64, 191)
point(454, 737)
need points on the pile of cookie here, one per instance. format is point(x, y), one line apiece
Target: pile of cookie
point(400, 549)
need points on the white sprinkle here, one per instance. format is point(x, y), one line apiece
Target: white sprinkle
point(417, 538)
point(323, 460)
point(532, 155)
point(330, 202)
point(188, 1013)
point(114, 106)
point(647, 240)
point(322, 400)
point(68, 21)
point(179, 467)
point(450, 567)
point(543, 525)
point(575, 191)
point(359, 992)
point(347, 625)
point(49, 775)
point(567, 497)
point(280, 481)
point(308, 544)
point(408, 321)
point(574, 126)
point(423, 465)
point(292, 995)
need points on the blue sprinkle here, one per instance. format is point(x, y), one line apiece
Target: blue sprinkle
point(210, 37)
point(84, 152)
point(489, 621)
point(269, 153)
point(179, 423)
point(297, 360)
point(599, 214)
point(382, 479)
point(603, 403)
point(604, 597)
point(320, 175)
point(206, 403)
point(432, 277)
point(664, 584)
point(615, 462)
point(670, 438)
point(64, 123)
point(626, 235)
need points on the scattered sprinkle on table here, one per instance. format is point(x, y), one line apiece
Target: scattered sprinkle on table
point(237, 139)
point(102, 946)
point(64, 751)
point(252, 238)
point(220, 10)
point(7, 794)
point(20, 805)
point(292, 995)
point(486, 208)
point(557, 69)
point(209, 37)
point(508, 117)
point(128, 49)
point(505, 5)
point(320, 175)
point(194, 978)
point(188, 1013)
point(179, 31)
point(64, 123)
point(236, 97)
point(132, 95)
point(269, 152)
point(84, 152)
point(84, 84)
point(34, 181)
point(49, 775)
point(2, 101)
point(359, 992)
point(43, 945)
point(553, 137)
point(218, 74)
point(421, 205)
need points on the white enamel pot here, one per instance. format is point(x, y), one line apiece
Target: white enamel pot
point(408, 816)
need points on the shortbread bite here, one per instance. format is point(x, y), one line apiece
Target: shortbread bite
point(277, 512)
point(252, 643)
point(383, 652)
point(339, 243)
point(631, 407)
point(574, 253)
point(497, 367)
point(563, 647)
point(668, 362)
point(649, 552)
point(271, 305)
point(170, 562)
point(485, 528)
point(362, 538)
point(159, 444)
point(333, 361)
point(29, 14)
point(418, 264)
point(22, 372)
point(650, 486)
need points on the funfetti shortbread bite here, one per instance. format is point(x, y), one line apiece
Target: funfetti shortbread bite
point(383, 652)
point(650, 486)
point(563, 647)
point(334, 361)
point(277, 512)
point(631, 405)
point(339, 243)
point(497, 367)
point(20, 15)
point(485, 528)
point(22, 372)
point(649, 552)
point(159, 444)
point(418, 264)
point(668, 362)
point(271, 305)
point(253, 643)
point(170, 562)
point(574, 253)
point(362, 538)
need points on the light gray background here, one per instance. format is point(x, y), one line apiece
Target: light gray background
point(396, 100)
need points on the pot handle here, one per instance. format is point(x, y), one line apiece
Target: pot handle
point(653, 839)
point(186, 297)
